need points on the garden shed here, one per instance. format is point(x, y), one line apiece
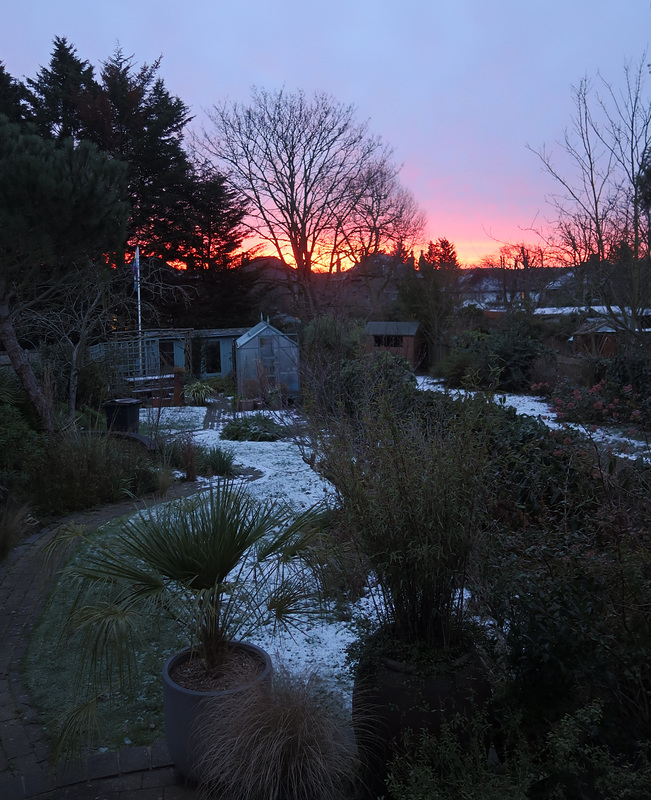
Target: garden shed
point(266, 360)
point(212, 351)
point(397, 337)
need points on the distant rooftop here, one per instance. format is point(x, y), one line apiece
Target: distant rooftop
point(391, 328)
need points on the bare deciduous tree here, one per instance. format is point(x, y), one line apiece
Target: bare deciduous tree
point(602, 222)
point(320, 188)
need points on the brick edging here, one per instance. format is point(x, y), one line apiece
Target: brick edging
point(96, 767)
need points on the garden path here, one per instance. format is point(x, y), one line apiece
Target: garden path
point(145, 773)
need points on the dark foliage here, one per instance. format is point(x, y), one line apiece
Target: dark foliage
point(499, 357)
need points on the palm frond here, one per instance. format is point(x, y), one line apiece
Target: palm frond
point(62, 544)
point(81, 726)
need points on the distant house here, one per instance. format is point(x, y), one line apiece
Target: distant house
point(266, 360)
point(396, 337)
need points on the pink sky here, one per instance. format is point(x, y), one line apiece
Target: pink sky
point(458, 88)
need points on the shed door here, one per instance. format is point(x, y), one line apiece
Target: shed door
point(268, 358)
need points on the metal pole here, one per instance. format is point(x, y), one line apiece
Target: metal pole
point(140, 351)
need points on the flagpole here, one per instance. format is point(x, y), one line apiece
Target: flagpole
point(137, 269)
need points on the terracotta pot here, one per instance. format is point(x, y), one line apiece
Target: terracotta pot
point(182, 708)
point(390, 697)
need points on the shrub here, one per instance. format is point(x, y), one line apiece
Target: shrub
point(412, 492)
point(223, 384)
point(377, 377)
point(604, 403)
point(568, 583)
point(19, 444)
point(253, 428)
point(78, 470)
point(479, 760)
point(462, 761)
point(626, 369)
point(216, 461)
point(500, 357)
point(289, 742)
point(198, 391)
point(184, 454)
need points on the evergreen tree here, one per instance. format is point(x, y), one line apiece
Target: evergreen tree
point(61, 92)
point(213, 218)
point(142, 124)
point(61, 207)
point(13, 98)
point(441, 254)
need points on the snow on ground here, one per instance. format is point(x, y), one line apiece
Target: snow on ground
point(286, 477)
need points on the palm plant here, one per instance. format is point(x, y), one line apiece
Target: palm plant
point(221, 565)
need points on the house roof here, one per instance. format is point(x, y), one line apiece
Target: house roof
point(391, 328)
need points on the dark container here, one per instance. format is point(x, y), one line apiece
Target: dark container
point(123, 415)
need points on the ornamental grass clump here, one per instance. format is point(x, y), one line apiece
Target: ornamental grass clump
point(253, 428)
point(412, 490)
point(286, 742)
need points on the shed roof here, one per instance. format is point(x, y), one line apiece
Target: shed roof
point(258, 329)
point(391, 328)
point(219, 333)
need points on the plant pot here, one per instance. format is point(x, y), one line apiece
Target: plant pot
point(183, 707)
point(391, 697)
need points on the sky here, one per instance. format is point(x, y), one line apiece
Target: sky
point(459, 88)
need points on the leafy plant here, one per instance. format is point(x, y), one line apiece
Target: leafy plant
point(481, 759)
point(252, 428)
point(498, 357)
point(223, 384)
point(198, 391)
point(217, 461)
point(20, 444)
point(462, 761)
point(78, 470)
point(604, 403)
point(16, 522)
point(288, 742)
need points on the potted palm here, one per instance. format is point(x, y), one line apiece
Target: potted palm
point(222, 565)
point(412, 482)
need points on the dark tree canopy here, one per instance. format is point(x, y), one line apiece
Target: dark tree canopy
point(440, 254)
point(60, 92)
point(61, 207)
point(13, 98)
point(178, 211)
